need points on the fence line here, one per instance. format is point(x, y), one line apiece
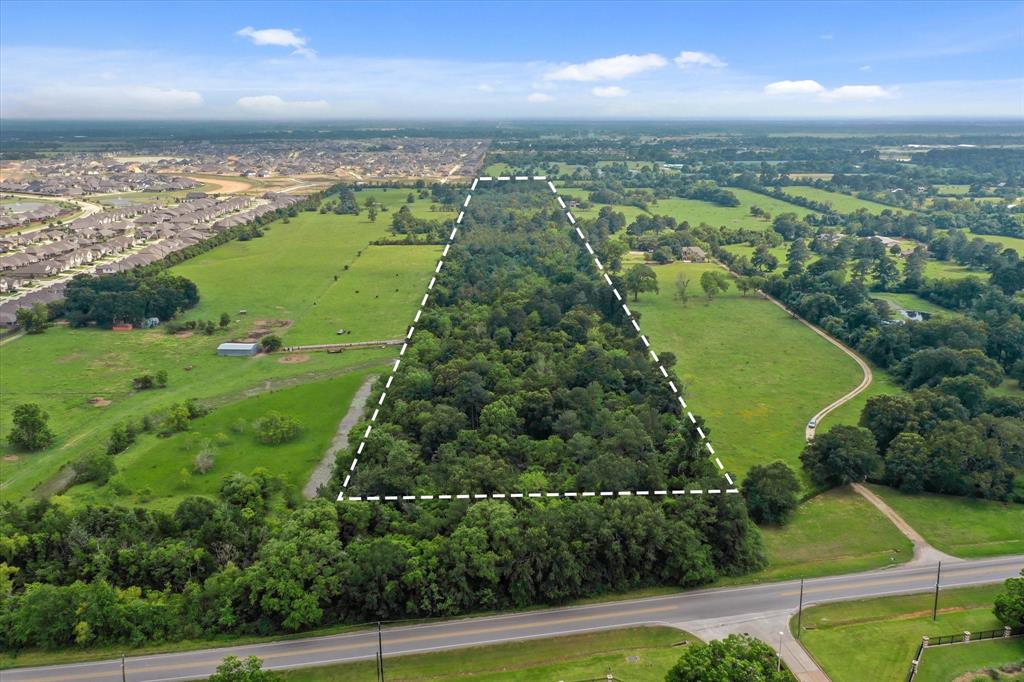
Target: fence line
point(965, 637)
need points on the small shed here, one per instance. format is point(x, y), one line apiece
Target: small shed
point(238, 349)
point(121, 327)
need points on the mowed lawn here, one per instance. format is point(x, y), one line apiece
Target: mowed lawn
point(841, 203)
point(158, 472)
point(961, 526)
point(638, 654)
point(833, 533)
point(374, 299)
point(755, 374)
point(945, 663)
point(881, 635)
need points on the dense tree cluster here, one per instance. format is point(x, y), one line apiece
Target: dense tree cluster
point(127, 298)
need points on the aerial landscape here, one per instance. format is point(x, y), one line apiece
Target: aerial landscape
point(513, 341)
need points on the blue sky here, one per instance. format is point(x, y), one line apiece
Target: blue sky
point(475, 60)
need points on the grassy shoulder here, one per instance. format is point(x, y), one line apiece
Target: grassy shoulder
point(881, 635)
point(961, 526)
point(942, 664)
point(641, 654)
point(756, 390)
point(833, 533)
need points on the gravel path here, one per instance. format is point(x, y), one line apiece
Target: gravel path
point(323, 471)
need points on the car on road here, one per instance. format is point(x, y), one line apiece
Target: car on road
point(813, 424)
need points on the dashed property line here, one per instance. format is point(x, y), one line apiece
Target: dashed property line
point(629, 315)
point(545, 495)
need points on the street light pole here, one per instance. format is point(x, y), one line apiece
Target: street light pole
point(800, 609)
point(124, 675)
point(935, 606)
point(780, 651)
point(380, 651)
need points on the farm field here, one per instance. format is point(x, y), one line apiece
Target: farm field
point(158, 472)
point(757, 391)
point(835, 532)
point(281, 274)
point(631, 212)
point(1015, 243)
point(964, 527)
point(941, 664)
point(697, 212)
point(374, 299)
point(841, 203)
point(937, 269)
point(881, 635)
point(272, 277)
point(638, 654)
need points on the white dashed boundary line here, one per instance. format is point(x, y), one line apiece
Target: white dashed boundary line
point(629, 315)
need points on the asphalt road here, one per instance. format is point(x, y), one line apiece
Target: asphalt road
point(675, 610)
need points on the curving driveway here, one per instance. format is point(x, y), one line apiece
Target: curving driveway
point(838, 402)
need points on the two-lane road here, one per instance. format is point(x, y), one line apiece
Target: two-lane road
point(678, 610)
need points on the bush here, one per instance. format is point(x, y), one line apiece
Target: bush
point(96, 467)
point(203, 461)
point(233, 669)
point(771, 492)
point(275, 428)
point(271, 343)
point(737, 657)
point(121, 437)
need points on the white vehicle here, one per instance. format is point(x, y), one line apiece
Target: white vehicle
point(813, 424)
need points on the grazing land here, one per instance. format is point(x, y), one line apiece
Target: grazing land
point(159, 472)
point(911, 302)
point(756, 390)
point(881, 635)
point(695, 211)
point(963, 527)
point(640, 654)
point(841, 203)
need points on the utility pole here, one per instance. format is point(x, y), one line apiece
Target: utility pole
point(380, 651)
point(800, 609)
point(935, 606)
point(124, 675)
point(780, 651)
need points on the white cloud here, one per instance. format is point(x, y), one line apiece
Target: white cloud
point(857, 93)
point(610, 91)
point(609, 68)
point(827, 36)
point(539, 97)
point(783, 88)
point(866, 67)
point(692, 60)
point(281, 37)
point(272, 104)
point(485, 87)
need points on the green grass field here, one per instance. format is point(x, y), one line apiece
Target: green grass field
point(882, 383)
point(832, 533)
point(841, 203)
point(275, 278)
point(158, 472)
point(945, 663)
point(697, 212)
point(952, 190)
point(756, 390)
point(639, 654)
point(912, 302)
point(374, 299)
point(961, 526)
point(881, 635)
